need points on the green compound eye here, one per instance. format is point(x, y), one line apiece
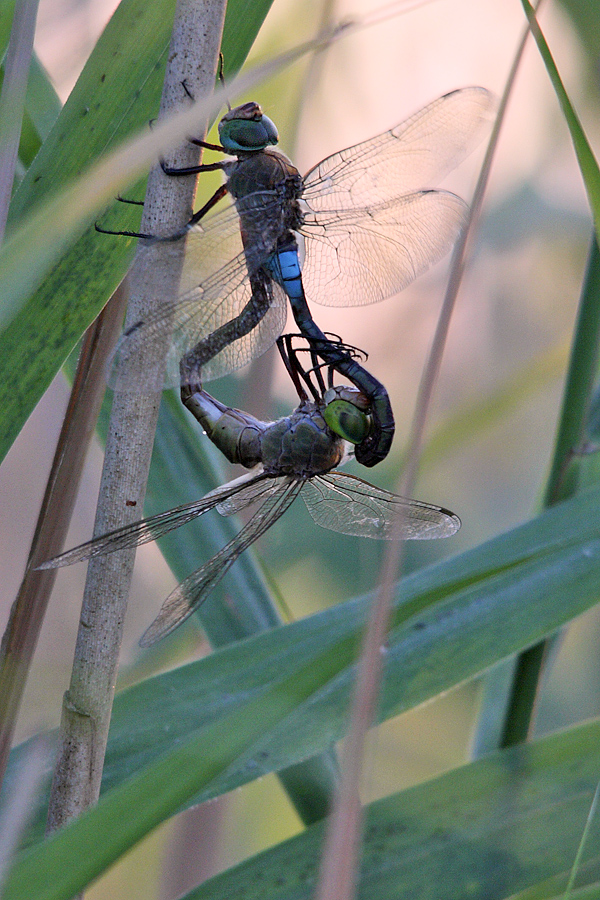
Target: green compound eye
point(346, 420)
point(244, 133)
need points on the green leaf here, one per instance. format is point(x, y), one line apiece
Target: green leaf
point(7, 9)
point(116, 95)
point(450, 623)
point(42, 108)
point(275, 699)
point(585, 16)
point(482, 831)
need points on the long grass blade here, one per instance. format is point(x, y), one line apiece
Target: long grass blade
point(563, 478)
point(585, 155)
point(12, 98)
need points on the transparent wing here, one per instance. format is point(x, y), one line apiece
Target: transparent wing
point(146, 530)
point(182, 602)
point(354, 258)
point(351, 506)
point(416, 154)
point(214, 290)
point(255, 491)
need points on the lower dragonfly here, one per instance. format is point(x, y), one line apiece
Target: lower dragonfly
point(294, 455)
point(359, 227)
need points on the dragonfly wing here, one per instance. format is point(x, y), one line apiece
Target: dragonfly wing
point(359, 257)
point(137, 533)
point(214, 289)
point(191, 320)
point(416, 154)
point(349, 505)
point(188, 596)
point(247, 345)
point(255, 491)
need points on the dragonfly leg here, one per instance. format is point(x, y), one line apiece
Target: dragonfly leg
point(294, 370)
point(135, 234)
point(206, 146)
point(218, 195)
point(191, 170)
point(316, 369)
point(197, 141)
point(176, 236)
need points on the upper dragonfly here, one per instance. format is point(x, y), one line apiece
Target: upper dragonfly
point(371, 223)
point(295, 454)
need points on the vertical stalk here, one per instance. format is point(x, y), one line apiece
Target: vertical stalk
point(88, 702)
point(29, 608)
point(581, 377)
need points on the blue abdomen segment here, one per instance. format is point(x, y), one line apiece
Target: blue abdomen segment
point(284, 267)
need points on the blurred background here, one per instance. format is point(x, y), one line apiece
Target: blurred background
point(493, 419)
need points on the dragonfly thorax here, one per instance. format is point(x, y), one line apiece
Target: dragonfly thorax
point(267, 170)
point(301, 444)
point(265, 186)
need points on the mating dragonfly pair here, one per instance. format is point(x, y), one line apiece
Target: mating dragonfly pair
point(369, 229)
point(294, 455)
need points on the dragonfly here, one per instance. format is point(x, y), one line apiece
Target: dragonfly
point(359, 227)
point(294, 455)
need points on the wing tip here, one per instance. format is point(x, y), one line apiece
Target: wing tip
point(154, 632)
point(451, 525)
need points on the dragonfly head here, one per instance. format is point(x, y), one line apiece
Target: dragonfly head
point(346, 413)
point(247, 129)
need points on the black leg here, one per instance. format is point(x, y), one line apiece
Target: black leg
point(218, 195)
point(135, 234)
point(190, 170)
point(132, 202)
point(284, 345)
point(216, 147)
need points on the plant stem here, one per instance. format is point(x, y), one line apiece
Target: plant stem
point(29, 608)
point(581, 377)
point(88, 702)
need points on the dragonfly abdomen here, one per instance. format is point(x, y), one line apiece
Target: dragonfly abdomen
point(235, 433)
point(284, 267)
